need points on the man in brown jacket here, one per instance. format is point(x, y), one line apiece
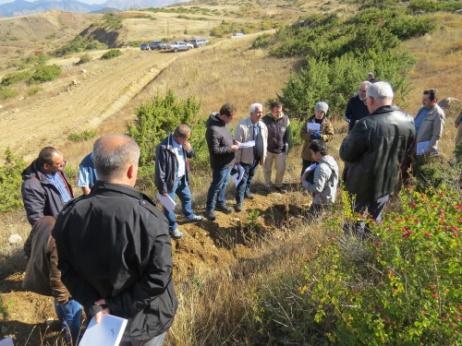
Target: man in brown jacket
point(458, 124)
point(43, 276)
point(317, 127)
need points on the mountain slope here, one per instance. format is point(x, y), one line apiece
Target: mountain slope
point(21, 7)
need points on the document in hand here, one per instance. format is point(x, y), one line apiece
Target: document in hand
point(167, 202)
point(8, 341)
point(422, 147)
point(249, 144)
point(313, 127)
point(237, 173)
point(108, 332)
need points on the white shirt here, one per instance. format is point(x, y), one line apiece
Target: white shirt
point(179, 153)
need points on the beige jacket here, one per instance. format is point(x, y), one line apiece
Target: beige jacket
point(432, 128)
point(243, 134)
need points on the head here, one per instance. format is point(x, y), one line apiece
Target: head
point(256, 112)
point(320, 110)
point(116, 159)
point(182, 134)
point(276, 108)
point(50, 160)
point(362, 91)
point(429, 98)
point(378, 95)
point(318, 149)
point(371, 76)
point(227, 112)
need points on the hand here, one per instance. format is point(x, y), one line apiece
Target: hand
point(165, 194)
point(99, 315)
point(235, 147)
point(187, 146)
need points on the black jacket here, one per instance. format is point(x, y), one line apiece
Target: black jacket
point(219, 141)
point(40, 197)
point(167, 165)
point(114, 244)
point(279, 133)
point(374, 151)
point(355, 110)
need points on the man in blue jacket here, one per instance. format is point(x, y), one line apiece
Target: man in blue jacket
point(171, 175)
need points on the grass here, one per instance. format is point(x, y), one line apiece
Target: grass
point(7, 93)
point(111, 54)
point(82, 136)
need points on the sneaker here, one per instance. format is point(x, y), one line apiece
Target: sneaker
point(238, 207)
point(248, 194)
point(176, 234)
point(210, 215)
point(224, 209)
point(196, 218)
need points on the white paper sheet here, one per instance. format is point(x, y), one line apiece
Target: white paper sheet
point(315, 127)
point(167, 202)
point(238, 174)
point(8, 341)
point(422, 147)
point(249, 144)
point(108, 332)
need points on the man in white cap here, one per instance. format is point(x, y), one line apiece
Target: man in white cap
point(374, 151)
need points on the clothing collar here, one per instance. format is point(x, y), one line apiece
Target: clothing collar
point(102, 186)
point(385, 109)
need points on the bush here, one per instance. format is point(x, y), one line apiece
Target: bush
point(84, 59)
point(82, 136)
point(45, 73)
point(402, 287)
point(10, 182)
point(6, 93)
point(79, 44)
point(33, 90)
point(15, 77)
point(433, 6)
point(111, 22)
point(110, 54)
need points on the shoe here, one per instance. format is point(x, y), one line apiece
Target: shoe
point(238, 207)
point(176, 234)
point(196, 218)
point(210, 215)
point(224, 209)
point(248, 195)
point(280, 189)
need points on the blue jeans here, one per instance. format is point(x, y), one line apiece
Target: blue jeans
point(217, 189)
point(69, 314)
point(181, 189)
point(244, 184)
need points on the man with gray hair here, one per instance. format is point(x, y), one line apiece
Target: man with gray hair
point(172, 176)
point(356, 108)
point(114, 248)
point(249, 130)
point(374, 151)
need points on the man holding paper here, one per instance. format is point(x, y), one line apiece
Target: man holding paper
point(114, 248)
point(374, 150)
point(171, 177)
point(253, 131)
point(318, 127)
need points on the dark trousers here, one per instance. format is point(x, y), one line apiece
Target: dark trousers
point(244, 184)
point(305, 165)
point(374, 209)
point(217, 189)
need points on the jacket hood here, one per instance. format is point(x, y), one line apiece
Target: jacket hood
point(214, 120)
point(330, 161)
point(32, 171)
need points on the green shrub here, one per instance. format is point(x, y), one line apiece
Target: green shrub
point(111, 22)
point(433, 6)
point(79, 44)
point(45, 73)
point(33, 90)
point(82, 136)
point(401, 287)
point(84, 59)
point(10, 182)
point(110, 54)
point(6, 93)
point(15, 77)
point(262, 41)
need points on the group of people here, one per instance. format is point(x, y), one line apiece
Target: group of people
point(109, 250)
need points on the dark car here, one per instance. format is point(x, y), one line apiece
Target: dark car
point(155, 45)
point(145, 46)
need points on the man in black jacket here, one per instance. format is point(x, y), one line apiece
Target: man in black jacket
point(356, 108)
point(374, 151)
point(114, 248)
point(172, 177)
point(222, 149)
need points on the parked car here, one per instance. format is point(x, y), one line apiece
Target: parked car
point(178, 46)
point(145, 46)
point(199, 42)
point(157, 45)
point(237, 34)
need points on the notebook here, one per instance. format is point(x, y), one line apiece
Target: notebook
point(108, 332)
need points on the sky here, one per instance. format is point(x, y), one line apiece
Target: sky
point(86, 1)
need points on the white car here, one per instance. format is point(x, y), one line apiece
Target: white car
point(179, 46)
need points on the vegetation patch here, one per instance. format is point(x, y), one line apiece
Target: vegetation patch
point(15, 77)
point(45, 73)
point(79, 44)
point(7, 92)
point(84, 59)
point(82, 136)
point(111, 54)
point(10, 182)
point(226, 28)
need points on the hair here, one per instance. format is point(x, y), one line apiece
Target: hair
point(182, 131)
point(254, 106)
point(380, 90)
point(274, 104)
point(46, 156)
point(112, 154)
point(366, 82)
point(227, 109)
point(431, 93)
point(318, 146)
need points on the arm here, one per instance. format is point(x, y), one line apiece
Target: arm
point(288, 138)
point(239, 136)
point(160, 171)
point(349, 111)
point(214, 144)
point(356, 143)
point(58, 290)
point(328, 132)
point(34, 200)
point(437, 131)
